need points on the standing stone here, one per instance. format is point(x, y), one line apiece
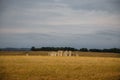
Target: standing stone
point(70, 53)
point(26, 54)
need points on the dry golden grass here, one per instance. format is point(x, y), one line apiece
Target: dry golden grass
point(59, 68)
point(45, 53)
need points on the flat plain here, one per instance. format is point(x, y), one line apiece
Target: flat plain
point(87, 66)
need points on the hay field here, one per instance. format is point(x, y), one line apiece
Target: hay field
point(59, 68)
point(45, 53)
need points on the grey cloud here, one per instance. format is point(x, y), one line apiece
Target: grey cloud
point(76, 23)
point(109, 33)
point(25, 12)
point(52, 39)
point(102, 5)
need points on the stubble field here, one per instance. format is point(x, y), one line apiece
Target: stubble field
point(59, 68)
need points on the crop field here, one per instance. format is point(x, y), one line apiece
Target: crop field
point(83, 67)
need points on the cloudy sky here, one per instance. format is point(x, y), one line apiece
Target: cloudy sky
point(60, 23)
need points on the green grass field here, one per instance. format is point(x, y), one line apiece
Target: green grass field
point(60, 68)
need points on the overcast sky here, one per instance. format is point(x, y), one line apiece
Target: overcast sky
point(60, 23)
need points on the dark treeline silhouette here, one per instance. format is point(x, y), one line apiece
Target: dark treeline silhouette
point(114, 50)
point(15, 49)
point(53, 49)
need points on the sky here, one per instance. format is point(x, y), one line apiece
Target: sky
point(60, 23)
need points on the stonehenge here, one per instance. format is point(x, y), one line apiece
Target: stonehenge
point(62, 53)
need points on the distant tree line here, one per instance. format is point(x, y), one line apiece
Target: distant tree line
point(15, 49)
point(53, 49)
point(115, 50)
